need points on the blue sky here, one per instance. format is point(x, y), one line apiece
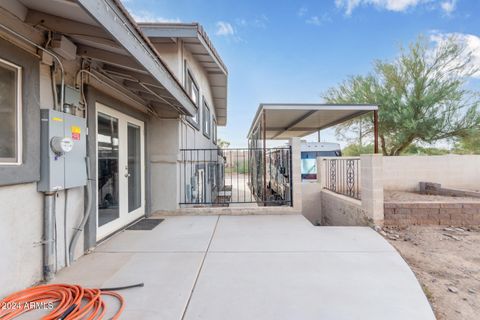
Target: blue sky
point(293, 51)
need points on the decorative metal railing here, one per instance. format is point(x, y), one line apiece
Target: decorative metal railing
point(221, 177)
point(342, 175)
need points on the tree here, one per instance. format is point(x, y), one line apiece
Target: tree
point(354, 150)
point(421, 96)
point(222, 144)
point(469, 144)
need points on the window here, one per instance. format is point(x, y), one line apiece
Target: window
point(10, 113)
point(206, 120)
point(194, 93)
point(214, 130)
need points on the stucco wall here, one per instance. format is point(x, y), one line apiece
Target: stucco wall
point(20, 235)
point(311, 202)
point(338, 210)
point(21, 210)
point(405, 172)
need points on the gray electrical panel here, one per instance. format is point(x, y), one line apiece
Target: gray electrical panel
point(63, 151)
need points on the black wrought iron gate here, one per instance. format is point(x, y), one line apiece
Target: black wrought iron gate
point(223, 177)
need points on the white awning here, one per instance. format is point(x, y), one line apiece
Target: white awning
point(284, 121)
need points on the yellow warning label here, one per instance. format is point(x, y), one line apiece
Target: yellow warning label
point(76, 129)
point(57, 119)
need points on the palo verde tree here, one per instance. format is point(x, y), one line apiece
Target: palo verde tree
point(421, 96)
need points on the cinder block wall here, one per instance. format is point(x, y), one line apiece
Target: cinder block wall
point(400, 214)
point(405, 172)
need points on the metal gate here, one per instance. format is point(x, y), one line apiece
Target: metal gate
point(224, 177)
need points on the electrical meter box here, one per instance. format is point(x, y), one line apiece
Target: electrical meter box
point(63, 151)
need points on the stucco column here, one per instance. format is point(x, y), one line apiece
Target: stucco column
point(371, 186)
point(321, 172)
point(296, 174)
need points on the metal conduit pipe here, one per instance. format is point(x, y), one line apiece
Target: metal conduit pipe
point(46, 51)
point(86, 215)
point(48, 235)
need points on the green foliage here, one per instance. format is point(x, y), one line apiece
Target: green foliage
point(420, 94)
point(222, 144)
point(414, 149)
point(469, 144)
point(355, 149)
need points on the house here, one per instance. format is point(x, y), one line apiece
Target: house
point(96, 110)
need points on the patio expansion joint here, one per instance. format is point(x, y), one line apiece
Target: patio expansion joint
point(200, 269)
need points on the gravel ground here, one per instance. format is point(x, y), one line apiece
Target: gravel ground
point(403, 196)
point(446, 261)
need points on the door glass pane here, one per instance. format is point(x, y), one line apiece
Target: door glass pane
point(134, 169)
point(108, 162)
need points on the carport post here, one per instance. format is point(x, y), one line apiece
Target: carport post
point(375, 131)
point(264, 158)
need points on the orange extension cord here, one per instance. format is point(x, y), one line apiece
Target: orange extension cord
point(68, 302)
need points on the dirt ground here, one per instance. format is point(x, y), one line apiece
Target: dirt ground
point(404, 196)
point(446, 261)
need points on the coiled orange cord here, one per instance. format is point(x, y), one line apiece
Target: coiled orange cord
point(68, 302)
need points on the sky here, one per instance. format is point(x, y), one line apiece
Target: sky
point(293, 51)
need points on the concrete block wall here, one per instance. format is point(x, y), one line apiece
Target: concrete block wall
point(371, 186)
point(402, 214)
point(457, 171)
point(296, 174)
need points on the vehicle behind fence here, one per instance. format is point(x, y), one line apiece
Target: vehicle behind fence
point(224, 177)
point(342, 175)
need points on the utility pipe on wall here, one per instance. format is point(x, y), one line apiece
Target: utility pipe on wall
point(48, 235)
point(46, 51)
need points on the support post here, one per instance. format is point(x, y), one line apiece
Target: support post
point(375, 130)
point(264, 158)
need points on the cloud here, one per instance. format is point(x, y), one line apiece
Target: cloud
point(470, 41)
point(147, 16)
point(224, 29)
point(448, 6)
point(390, 5)
point(260, 21)
point(319, 20)
point(302, 11)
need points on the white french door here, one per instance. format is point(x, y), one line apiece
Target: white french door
point(120, 170)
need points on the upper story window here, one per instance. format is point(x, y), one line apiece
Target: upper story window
point(214, 130)
point(10, 113)
point(194, 93)
point(206, 120)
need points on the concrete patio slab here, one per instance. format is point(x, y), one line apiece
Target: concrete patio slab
point(253, 267)
point(291, 233)
point(174, 234)
point(168, 278)
point(307, 285)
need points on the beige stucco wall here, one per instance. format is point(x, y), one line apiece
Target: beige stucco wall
point(339, 210)
point(405, 172)
point(20, 235)
point(311, 201)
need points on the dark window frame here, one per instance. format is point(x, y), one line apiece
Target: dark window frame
point(206, 117)
point(29, 169)
point(214, 130)
point(190, 78)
